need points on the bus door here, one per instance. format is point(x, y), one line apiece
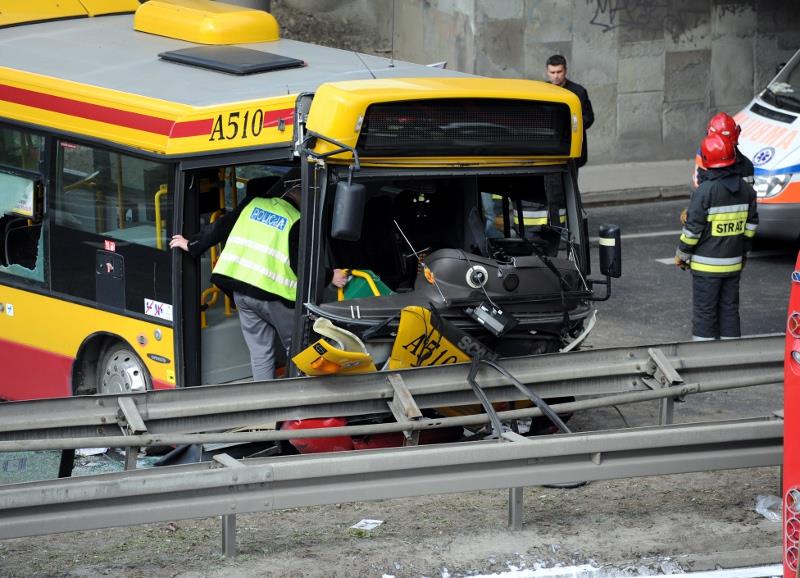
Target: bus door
point(213, 347)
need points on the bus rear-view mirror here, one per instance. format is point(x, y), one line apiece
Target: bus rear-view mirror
point(348, 211)
point(610, 251)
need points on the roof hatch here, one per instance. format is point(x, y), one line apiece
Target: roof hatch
point(231, 59)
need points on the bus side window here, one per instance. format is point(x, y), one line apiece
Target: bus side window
point(21, 242)
point(109, 223)
point(114, 195)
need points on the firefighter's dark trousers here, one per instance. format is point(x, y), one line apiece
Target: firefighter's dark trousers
point(716, 307)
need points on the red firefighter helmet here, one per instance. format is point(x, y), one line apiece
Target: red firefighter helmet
point(717, 151)
point(724, 124)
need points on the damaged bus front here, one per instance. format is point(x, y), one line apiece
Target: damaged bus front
point(456, 196)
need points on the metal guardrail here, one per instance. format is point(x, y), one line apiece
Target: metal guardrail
point(226, 486)
point(162, 413)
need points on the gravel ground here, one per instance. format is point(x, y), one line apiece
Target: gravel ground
point(628, 527)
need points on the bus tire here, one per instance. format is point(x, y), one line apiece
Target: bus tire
point(121, 371)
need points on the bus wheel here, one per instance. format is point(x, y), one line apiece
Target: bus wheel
point(121, 371)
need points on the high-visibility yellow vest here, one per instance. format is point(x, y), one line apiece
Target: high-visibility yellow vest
point(257, 250)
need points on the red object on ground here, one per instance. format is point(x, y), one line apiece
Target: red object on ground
point(346, 443)
point(395, 439)
point(319, 445)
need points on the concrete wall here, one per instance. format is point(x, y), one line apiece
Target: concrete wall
point(656, 70)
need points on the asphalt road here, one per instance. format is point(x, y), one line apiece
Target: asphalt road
point(651, 302)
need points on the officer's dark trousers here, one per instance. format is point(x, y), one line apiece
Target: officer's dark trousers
point(716, 307)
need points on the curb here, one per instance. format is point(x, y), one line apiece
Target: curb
point(622, 196)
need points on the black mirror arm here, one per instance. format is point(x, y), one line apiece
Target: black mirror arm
point(310, 135)
point(607, 283)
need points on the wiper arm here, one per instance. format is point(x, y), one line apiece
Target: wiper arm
point(787, 98)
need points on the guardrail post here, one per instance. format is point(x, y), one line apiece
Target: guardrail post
point(229, 535)
point(515, 509)
point(228, 520)
point(663, 375)
point(131, 453)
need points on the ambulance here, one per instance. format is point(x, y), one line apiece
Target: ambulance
point(770, 137)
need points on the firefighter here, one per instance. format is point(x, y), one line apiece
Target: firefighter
point(718, 232)
point(725, 125)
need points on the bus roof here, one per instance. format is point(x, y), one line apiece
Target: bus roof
point(101, 78)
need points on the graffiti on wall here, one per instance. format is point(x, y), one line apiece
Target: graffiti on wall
point(678, 19)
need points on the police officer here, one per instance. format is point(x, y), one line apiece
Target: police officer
point(718, 232)
point(258, 266)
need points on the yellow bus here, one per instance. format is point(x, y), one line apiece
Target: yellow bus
point(122, 124)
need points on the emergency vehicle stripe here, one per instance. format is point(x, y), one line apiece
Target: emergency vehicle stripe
point(533, 217)
point(260, 247)
point(716, 264)
point(688, 237)
point(541, 217)
point(727, 209)
point(741, 215)
point(761, 172)
point(715, 268)
point(261, 270)
point(717, 260)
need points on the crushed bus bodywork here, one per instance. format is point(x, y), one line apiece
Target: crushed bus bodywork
point(451, 199)
point(460, 197)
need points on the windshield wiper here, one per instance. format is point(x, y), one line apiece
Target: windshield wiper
point(781, 100)
point(787, 98)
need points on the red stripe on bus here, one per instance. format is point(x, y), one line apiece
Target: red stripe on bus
point(31, 373)
point(86, 110)
point(158, 384)
point(192, 128)
point(273, 117)
point(115, 116)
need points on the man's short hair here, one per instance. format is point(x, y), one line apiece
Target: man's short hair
point(557, 60)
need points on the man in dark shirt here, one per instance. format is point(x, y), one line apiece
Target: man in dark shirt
point(557, 74)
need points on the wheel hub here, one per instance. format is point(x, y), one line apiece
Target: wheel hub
point(123, 374)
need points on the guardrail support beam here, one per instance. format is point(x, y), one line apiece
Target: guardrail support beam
point(515, 509)
point(229, 535)
point(228, 520)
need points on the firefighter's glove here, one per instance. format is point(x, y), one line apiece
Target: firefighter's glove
point(680, 263)
point(684, 216)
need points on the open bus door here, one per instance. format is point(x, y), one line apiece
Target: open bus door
point(791, 433)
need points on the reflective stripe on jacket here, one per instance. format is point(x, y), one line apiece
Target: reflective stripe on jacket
point(721, 222)
point(257, 250)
